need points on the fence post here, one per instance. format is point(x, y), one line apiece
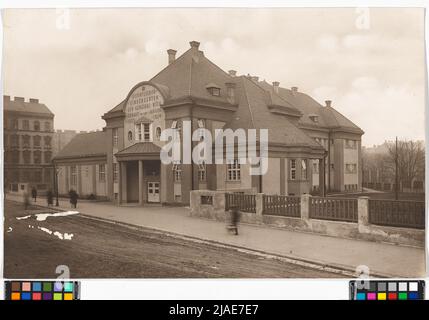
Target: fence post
point(195, 202)
point(363, 213)
point(259, 199)
point(305, 207)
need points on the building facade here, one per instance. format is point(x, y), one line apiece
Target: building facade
point(28, 131)
point(61, 138)
point(312, 148)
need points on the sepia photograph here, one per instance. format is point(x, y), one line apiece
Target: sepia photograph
point(148, 143)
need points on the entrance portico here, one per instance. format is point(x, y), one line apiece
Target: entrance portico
point(139, 174)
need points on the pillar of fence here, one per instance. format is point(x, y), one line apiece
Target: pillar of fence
point(259, 199)
point(305, 207)
point(363, 212)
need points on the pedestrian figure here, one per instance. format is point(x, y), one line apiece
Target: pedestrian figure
point(234, 219)
point(26, 200)
point(34, 194)
point(50, 198)
point(73, 198)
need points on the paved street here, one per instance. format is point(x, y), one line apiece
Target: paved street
point(99, 249)
point(381, 258)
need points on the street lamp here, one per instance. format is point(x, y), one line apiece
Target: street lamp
point(56, 171)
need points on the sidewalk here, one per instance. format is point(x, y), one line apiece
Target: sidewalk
point(381, 258)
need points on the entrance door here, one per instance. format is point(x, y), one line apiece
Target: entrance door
point(153, 191)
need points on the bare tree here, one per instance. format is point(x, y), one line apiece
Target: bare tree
point(410, 160)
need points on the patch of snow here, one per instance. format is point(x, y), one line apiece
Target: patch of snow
point(59, 235)
point(23, 218)
point(9, 229)
point(44, 216)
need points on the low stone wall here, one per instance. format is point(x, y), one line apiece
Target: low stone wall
point(211, 205)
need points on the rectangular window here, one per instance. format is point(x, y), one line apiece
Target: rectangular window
point(73, 175)
point(115, 137)
point(37, 157)
point(351, 144)
point(48, 140)
point(115, 172)
point(304, 169)
point(202, 172)
point(101, 172)
point(36, 141)
point(26, 125)
point(146, 132)
point(233, 170)
point(292, 169)
point(139, 136)
point(177, 172)
point(351, 168)
point(315, 166)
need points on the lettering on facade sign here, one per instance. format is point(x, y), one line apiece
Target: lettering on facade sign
point(145, 101)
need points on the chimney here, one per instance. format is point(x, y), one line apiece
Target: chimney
point(276, 85)
point(6, 98)
point(255, 79)
point(34, 100)
point(232, 73)
point(294, 90)
point(194, 44)
point(171, 55)
point(328, 103)
point(230, 92)
point(21, 99)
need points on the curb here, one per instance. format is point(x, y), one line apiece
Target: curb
point(343, 270)
point(332, 268)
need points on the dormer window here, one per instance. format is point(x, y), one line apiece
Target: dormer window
point(314, 118)
point(213, 89)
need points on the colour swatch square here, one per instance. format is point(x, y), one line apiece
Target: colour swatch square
point(26, 286)
point(58, 286)
point(413, 295)
point(15, 296)
point(68, 296)
point(381, 296)
point(16, 286)
point(37, 286)
point(413, 286)
point(403, 296)
point(47, 296)
point(392, 296)
point(382, 286)
point(402, 286)
point(58, 296)
point(26, 296)
point(47, 286)
point(37, 296)
point(361, 296)
point(392, 286)
point(68, 287)
point(371, 296)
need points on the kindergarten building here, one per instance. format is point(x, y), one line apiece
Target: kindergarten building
point(312, 148)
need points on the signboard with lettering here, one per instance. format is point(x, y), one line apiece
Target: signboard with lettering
point(144, 103)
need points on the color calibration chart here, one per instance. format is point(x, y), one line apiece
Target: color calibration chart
point(42, 290)
point(387, 290)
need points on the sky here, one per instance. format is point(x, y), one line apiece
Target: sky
point(83, 62)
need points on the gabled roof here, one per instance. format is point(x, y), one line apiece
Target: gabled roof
point(85, 145)
point(24, 106)
point(140, 148)
point(328, 117)
point(253, 113)
point(191, 74)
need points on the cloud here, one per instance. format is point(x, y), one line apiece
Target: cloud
point(371, 75)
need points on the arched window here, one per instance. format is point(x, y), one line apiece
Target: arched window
point(158, 131)
point(130, 135)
